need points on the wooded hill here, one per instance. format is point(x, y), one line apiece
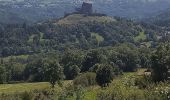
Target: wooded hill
point(75, 31)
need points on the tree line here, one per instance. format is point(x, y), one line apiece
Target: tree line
point(106, 62)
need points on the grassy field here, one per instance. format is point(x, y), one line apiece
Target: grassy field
point(78, 18)
point(141, 36)
point(122, 87)
point(22, 87)
point(88, 94)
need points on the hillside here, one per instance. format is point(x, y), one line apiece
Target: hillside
point(79, 18)
point(75, 31)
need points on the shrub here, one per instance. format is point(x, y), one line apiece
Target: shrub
point(143, 82)
point(86, 79)
point(26, 96)
point(160, 91)
point(120, 92)
point(68, 91)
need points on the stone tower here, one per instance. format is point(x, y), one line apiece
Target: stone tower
point(87, 8)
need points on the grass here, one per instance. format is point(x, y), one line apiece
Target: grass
point(91, 93)
point(98, 37)
point(32, 37)
point(122, 87)
point(78, 18)
point(147, 44)
point(41, 37)
point(22, 87)
point(6, 59)
point(141, 36)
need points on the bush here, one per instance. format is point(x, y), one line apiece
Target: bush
point(14, 96)
point(85, 80)
point(143, 82)
point(68, 91)
point(120, 92)
point(160, 91)
point(26, 96)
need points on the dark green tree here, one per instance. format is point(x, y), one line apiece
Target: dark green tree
point(72, 62)
point(75, 70)
point(17, 71)
point(145, 57)
point(104, 75)
point(54, 73)
point(34, 71)
point(2, 74)
point(161, 63)
point(126, 57)
point(93, 57)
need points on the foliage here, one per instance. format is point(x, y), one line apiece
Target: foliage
point(104, 75)
point(2, 74)
point(160, 63)
point(72, 62)
point(95, 31)
point(85, 80)
point(143, 82)
point(121, 88)
point(91, 58)
point(126, 57)
point(26, 96)
point(34, 71)
point(54, 73)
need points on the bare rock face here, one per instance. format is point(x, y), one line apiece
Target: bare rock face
point(87, 8)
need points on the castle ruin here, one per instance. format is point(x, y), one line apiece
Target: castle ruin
point(87, 8)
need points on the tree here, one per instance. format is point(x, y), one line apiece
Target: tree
point(17, 71)
point(71, 71)
point(145, 55)
point(54, 72)
point(160, 63)
point(2, 74)
point(93, 57)
point(72, 62)
point(34, 71)
point(126, 57)
point(104, 75)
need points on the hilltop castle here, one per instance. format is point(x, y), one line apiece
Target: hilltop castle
point(87, 8)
